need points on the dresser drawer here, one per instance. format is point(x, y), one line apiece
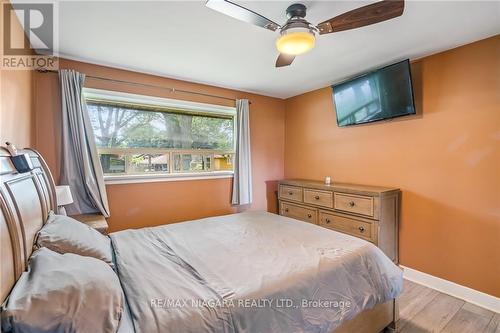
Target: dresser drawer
point(346, 225)
point(290, 193)
point(358, 204)
point(299, 212)
point(320, 198)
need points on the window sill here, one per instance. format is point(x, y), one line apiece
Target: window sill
point(131, 179)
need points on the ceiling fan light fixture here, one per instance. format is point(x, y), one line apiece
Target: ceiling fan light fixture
point(298, 35)
point(295, 43)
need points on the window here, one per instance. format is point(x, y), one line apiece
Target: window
point(140, 135)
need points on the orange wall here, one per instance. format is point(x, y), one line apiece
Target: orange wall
point(16, 116)
point(16, 98)
point(146, 204)
point(446, 160)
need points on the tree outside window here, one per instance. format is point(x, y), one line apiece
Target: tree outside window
point(133, 140)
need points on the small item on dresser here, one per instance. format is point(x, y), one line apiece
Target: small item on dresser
point(328, 180)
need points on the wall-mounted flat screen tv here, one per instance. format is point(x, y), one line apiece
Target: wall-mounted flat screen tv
point(377, 95)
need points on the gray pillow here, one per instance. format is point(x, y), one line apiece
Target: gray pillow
point(63, 234)
point(64, 293)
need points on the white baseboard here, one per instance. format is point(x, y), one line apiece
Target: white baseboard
point(451, 288)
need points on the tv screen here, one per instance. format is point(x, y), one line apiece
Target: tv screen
point(381, 94)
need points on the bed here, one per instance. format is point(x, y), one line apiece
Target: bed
point(247, 272)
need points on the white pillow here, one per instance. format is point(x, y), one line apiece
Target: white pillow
point(64, 234)
point(64, 293)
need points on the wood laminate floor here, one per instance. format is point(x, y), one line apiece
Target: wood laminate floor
point(422, 309)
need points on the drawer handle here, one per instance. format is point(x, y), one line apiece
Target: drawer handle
point(290, 193)
point(286, 210)
point(351, 203)
point(361, 229)
point(316, 197)
point(328, 221)
point(309, 215)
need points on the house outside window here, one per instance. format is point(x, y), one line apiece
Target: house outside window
point(143, 136)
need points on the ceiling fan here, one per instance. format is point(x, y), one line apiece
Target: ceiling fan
point(297, 35)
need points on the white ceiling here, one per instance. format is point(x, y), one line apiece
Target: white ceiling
point(186, 40)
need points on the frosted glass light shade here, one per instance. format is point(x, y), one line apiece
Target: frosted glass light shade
point(295, 43)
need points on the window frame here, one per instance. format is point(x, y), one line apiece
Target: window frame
point(160, 104)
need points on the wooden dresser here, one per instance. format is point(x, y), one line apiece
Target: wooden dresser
point(367, 212)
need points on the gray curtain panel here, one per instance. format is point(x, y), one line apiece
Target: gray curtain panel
point(81, 168)
point(242, 181)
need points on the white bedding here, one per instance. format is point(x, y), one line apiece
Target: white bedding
point(249, 272)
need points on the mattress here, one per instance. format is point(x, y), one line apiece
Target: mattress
point(249, 272)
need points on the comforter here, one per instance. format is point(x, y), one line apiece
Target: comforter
point(249, 272)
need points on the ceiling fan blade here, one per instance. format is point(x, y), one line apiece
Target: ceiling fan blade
point(241, 13)
point(284, 60)
point(366, 15)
